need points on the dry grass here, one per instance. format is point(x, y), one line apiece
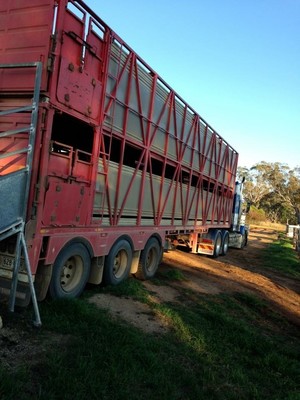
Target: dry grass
point(268, 225)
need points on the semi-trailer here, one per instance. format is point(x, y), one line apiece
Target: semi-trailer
point(102, 163)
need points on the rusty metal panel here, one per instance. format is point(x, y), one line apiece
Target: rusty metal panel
point(78, 90)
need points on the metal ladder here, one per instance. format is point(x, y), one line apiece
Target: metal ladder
point(12, 218)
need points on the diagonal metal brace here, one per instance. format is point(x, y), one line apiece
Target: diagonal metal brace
point(21, 245)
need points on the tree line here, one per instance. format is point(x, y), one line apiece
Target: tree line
point(273, 190)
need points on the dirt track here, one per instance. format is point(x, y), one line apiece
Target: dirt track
point(238, 271)
point(243, 270)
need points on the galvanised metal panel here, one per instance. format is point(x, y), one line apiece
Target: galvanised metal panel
point(166, 202)
point(12, 198)
point(136, 94)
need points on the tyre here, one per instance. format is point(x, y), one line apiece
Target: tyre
point(244, 240)
point(71, 272)
point(225, 244)
point(118, 263)
point(149, 260)
point(218, 245)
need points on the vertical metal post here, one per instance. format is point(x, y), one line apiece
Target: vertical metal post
point(14, 283)
point(33, 123)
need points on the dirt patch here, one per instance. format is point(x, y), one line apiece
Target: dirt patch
point(139, 314)
point(134, 312)
point(161, 294)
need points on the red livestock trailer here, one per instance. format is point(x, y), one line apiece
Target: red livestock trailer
point(101, 162)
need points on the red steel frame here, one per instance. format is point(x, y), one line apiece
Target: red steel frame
point(75, 77)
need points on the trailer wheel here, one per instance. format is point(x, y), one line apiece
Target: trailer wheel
point(71, 271)
point(218, 245)
point(149, 260)
point(225, 244)
point(118, 263)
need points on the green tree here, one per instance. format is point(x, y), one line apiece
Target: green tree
point(276, 189)
point(255, 188)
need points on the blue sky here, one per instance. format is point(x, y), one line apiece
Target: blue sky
point(236, 62)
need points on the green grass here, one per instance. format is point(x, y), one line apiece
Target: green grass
point(132, 287)
point(281, 256)
point(172, 274)
point(219, 347)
